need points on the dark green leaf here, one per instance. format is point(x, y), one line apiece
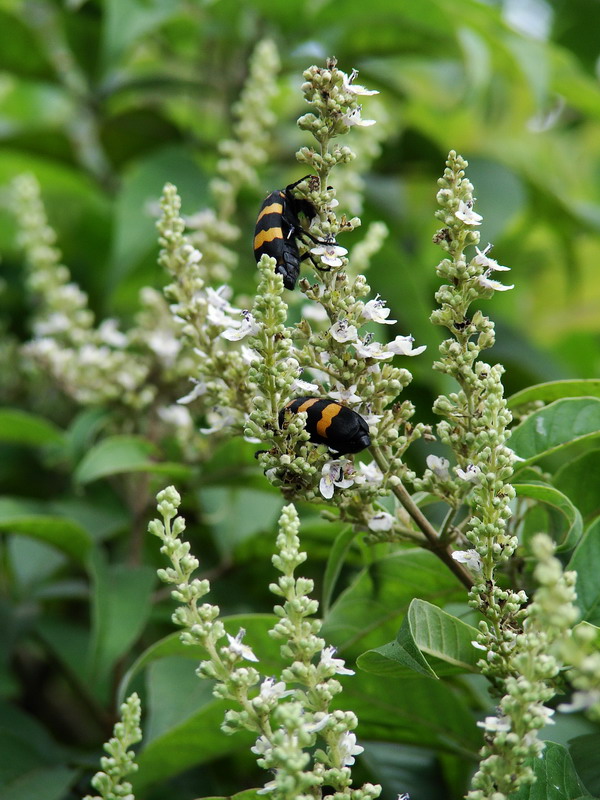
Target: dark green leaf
point(555, 390)
point(584, 752)
point(24, 428)
point(556, 426)
point(556, 777)
point(115, 455)
point(550, 496)
point(579, 479)
point(335, 561)
point(585, 560)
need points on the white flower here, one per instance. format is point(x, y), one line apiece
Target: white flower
point(482, 260)
point(345, 395)
point(198, 390)
point(218, 418)
point(479, 646)
point(165, 345)
point(249, 355)
point(348, 749)
point(403, 796)
point(489, 283)
point(382, 521)
point(109, 333)
point(270, 786)
point(403, 346)
point(304, 386)
point(439, 466)
point(262, 746)
point(367, 348)
point(219, 298)
point(336, 664)
point(351, 118)
point(329, 253)
point(471, 558)
point(335, 473)
point(177, 416)
point(472, 474)
point(580, 701)
point(236, 646)
point(218, 317)
point(315, 312)
point(495, 724)
point(466, 214)
point(318, 725)
point(57, 322)
point(356, 88)
point(369, 474)
point(248, 327)
point(271, 691)
point(375, 311)
point(342, 331)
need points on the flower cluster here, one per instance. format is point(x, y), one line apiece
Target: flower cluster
point(290, 715)
point(110, 782)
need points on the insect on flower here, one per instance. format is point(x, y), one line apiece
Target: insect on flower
point(330, 423)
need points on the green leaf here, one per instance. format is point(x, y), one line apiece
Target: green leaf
point(550, 496)
point(430, 642)
point(584, 752)
point(556, 777)
point(335, 561)
point(556, 426)
point(51, 783)
point(114, 455)
point(20, 427)
point(120, 608)
point(585, 560)
point(371, 609)
point(579, 480)
point(17, 517)
point(555, 390)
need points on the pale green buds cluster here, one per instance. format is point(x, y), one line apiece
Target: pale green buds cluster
point(120, 762)
point(288, 721)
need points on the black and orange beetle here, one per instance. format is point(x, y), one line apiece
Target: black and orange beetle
point(329, 422)
point(277, 228)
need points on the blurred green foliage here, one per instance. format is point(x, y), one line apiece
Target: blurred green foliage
point(106, 100)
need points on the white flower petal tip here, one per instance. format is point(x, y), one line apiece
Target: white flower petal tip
point(489, 283)
point(470, 558)
point(482, 260)
point(356, 88)
point(439, 466)
point(466, 214)
point(342, 331)
point(381, 522)
point(338, 472)
point(236, 646)
point(352, 118)
point(336, 664)
point(329, 253)
point(472, 474)
point(198, 390)
point(403, 346)
point(375, 311)
point(248, 327)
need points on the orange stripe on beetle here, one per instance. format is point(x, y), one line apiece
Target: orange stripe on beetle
point(307, 404)
point(328, 414)
point(274, 208)
point(267, 236)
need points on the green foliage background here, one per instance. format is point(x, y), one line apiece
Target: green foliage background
point(106, 101)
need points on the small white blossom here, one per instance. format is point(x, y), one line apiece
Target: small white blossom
point(371, 419)
point(219, 417)
point(470, 558)
point(403, 346)
point(54, 323)
point(495, 724)
point(356, 88)
point(249, 355)
point(248, 327)
point(375, 311)
point(329, 253)
point(581, 701)
point(479, 646)
point(369, 474)
point(314, 312)
point(304, 386)
point(351, 118)
point(270, 786)
point(109, 333)
point(262, 746)
point(236, 646)
point(439, 466)
point(165, 345)
point(271, 691)
point(403, 796)
point(335, 473)
point(177, 416)
point(482, 260)
point(345, 395)
point(367, 348)
point(489, 283)
point(348, 749)
point(466, 214)
point(382, 521)
point(342, 332)
point(318, 725)
point(335, 664)
point(219, 298)
point(219, 318)
point(472, 474)
point(198, 390)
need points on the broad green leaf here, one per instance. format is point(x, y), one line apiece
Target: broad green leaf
point(401, 768)
point(555, 426)
point(115, 455)
point(335, 561)
point(126, 23)
point(556, 777)
point(555, 390)
point(584, 752)
point(51, 783)
point(550, 496)
point(16, 517)
point(23, 428)
point(371, 609)
point(579, 480)
point(430, 642)
point(120, 608)
point(585, 560)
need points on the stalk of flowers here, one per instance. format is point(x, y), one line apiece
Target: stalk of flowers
point(288, 721)
point(120, 762)
point(539, 644)
point(211, 230)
